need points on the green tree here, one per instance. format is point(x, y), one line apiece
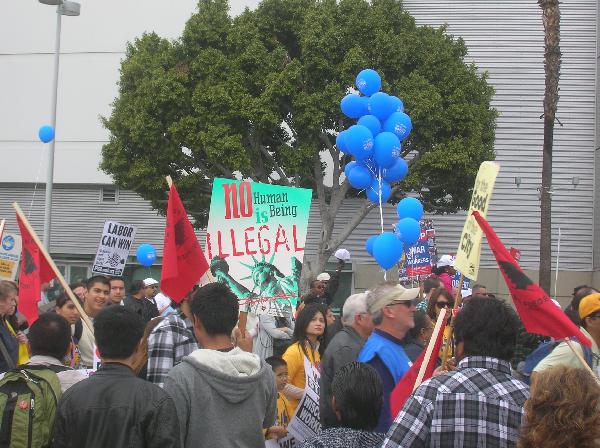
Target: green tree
point(258, 96)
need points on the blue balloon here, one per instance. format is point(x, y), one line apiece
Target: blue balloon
point(341, 143)
point(369, 244)
point(373, 191)
point(397, 172)
point(399, 123)
point(359, 177)
point(354, 106)
point(360, 141)
point(387, 250)
point(146, 255)
point(386, 149)
point(398, 105)
point(370, 164)
point(349, 167)
point(371, 122)
point(381, 105)
point(46, 133)
point(410, 208)
point(409, 230)
point(368, 82)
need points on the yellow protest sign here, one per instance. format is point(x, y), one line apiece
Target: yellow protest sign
point(469, 247)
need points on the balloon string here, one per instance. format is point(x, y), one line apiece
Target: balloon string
point(381, 216)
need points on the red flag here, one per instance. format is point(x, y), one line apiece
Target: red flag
point(183, 260)
point(35, 270)
point(538, 313)
point(405, 386)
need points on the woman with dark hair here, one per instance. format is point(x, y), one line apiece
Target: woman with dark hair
point(308, 332)
point(440, 299)
point(562, 410)
point(357, 398)
point(65, 307)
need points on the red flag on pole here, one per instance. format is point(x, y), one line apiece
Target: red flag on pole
point(406, 385)
point(538, 313)
point(35, 271)
point(183, 260)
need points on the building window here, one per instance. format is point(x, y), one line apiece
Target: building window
point(109, 195)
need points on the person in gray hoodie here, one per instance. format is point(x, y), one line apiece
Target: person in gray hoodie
point(224, 395)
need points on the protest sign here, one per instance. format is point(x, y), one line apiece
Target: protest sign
point(469, 247)
point(10, 254)
point(306, 422)
point(113, 249)
point(285, 442)
point(255, 242)
point(417, 264)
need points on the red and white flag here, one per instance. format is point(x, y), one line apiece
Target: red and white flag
point(537, 311)
point(183, 260)
point(35, 271)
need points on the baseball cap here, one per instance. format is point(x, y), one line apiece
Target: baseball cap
point(387, 295)
point(589, 305)
point(323, 276)
point(445, 260)
point(150, 281)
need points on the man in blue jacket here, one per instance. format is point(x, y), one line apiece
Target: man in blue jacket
point(392, 308)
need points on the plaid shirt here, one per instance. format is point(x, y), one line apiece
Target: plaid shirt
point(168, 343)
point(478, 405)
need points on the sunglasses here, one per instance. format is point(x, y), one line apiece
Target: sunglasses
point(441, 305)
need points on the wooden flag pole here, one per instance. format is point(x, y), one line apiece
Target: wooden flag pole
point(84, 317)
point(583, 362)
point(2, 224)
point(457, 303)
point(430, 346)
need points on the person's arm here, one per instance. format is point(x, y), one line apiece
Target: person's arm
point(160, 356)
point(162, 430)
point(295, 365)
point(180, 399)
point(412, 425)
point(270, 326)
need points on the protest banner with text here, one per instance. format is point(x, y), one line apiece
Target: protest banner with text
point(113, 249)
point(10, 254)
point(306, 422)
point(255, 242)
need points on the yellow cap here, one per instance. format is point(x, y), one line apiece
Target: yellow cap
point(589, 304)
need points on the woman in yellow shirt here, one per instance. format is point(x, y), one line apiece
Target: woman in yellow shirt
point(309, 330)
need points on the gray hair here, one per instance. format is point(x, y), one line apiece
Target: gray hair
point(355, 304)
point(7, 288)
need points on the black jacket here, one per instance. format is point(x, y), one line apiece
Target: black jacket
point(146, 309)
point(113, 408)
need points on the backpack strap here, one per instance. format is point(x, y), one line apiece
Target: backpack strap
point(9, 361)
point(53, 367)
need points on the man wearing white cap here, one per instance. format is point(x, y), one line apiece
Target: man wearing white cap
point(392, 308)
point(331, 282)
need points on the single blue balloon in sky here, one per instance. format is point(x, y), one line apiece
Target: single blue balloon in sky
point(359, 177)
point(354, 106)
point(386, 149)
point(387, 250)
point(369, 244)
point(399, 123)
point(368, 82)
point(409, 230)
point(380, 105)
point(146, 254)
point(371, 122)
point(397, 172)
point(46, 133)
point(373, 191)
point(360, 141)
point(410, 208)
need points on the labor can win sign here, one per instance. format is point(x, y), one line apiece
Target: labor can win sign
point(255, 242)
point(10, 254)
point(113, 249)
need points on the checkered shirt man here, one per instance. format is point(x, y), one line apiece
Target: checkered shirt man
point(168, 344)
point(479, 404)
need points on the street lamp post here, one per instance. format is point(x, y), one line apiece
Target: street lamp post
point(64, 8)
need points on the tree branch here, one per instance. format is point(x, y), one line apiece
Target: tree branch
point(333, 244)
point(278, 168)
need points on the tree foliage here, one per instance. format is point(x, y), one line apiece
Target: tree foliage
point(258, 96)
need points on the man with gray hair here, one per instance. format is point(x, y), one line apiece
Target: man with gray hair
point(342, 349)
point(392, 308)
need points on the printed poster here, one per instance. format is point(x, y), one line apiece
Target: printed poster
point(419, 259)
point(306, 422)
point(113, 249)
point(469, 247)
point(10, 254)
point(255, 242)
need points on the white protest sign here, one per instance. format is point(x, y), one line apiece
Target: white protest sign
point(10, 254)
point(285, 442)
point(306, 422)
point(113, 249)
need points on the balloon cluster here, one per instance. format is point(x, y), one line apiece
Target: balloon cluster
point(375, 142)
